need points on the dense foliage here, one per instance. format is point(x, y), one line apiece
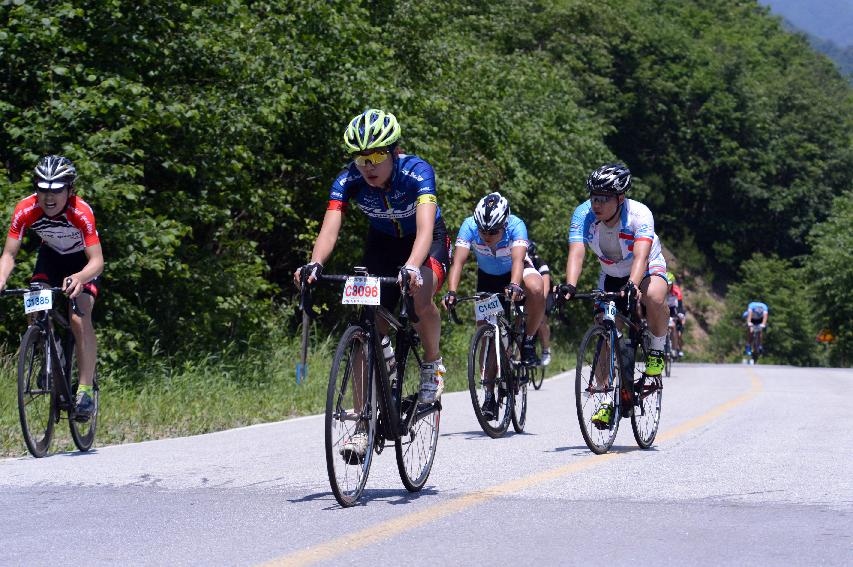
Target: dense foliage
point(207, 133)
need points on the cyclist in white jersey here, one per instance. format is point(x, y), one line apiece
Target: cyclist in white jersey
point(621, 233)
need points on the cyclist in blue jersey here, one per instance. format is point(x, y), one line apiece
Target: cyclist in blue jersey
point(756, 316)
point(499, 240)
point(621, 233)
point(397, 192)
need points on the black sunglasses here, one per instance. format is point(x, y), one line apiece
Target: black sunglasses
point(491, 232)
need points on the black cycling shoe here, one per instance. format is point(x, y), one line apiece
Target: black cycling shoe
point(490, 407)
point(528, 353)
point(84, 408)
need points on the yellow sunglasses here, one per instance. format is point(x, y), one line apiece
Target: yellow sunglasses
point(374, 158)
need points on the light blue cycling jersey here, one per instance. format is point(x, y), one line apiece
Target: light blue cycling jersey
point(758, 309)
point(390, 211)
point(495, 261)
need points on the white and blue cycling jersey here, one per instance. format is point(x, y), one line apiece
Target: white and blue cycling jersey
point(636, 225)
point(390, 211)
point(758, 309)
point(495, 261)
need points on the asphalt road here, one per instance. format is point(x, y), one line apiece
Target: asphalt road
point(752, 465)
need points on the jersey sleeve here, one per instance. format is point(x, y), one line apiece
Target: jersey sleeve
point(424, 175)
point(644, 222)
point(466, 233)
point(517, 233)
point(83, 217)
point(22, 218)
point(576, 228)
point(339, 194)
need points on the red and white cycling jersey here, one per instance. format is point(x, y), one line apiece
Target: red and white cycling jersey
point(67, 233)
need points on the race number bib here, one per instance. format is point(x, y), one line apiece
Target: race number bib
point(38, 301)
point(487, 308)
point(361, 290)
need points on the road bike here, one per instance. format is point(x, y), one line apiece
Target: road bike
point(757, 349)
point(368, 397)
point(669, 354)
point(611, 373)
point(47, 374)
point(494, 363)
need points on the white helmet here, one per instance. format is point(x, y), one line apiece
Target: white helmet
point(491, 212)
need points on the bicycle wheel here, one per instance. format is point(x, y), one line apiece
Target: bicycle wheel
point(519, 404)
point(415, 450)
point(350, 414)
point(597, 385)
point(36, 404)
point(82, 432)
point(482, 378)
point(648, 391)
point(667, 361)
point(538, 375)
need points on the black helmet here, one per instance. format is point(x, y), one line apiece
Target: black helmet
point(531, 248)
point(55, 170)
point(612, 178)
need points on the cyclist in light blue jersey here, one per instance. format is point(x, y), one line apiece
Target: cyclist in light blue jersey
point(756, 316)
point(499, 240)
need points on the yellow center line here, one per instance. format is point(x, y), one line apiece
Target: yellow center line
point(390, 528)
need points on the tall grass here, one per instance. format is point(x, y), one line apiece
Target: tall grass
point(201, 394)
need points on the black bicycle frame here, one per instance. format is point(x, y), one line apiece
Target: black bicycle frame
point(391, 395)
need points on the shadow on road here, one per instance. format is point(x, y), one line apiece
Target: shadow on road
point(392, 496)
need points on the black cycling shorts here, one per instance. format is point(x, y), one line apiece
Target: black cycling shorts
point(52, 268)
point(384, 255)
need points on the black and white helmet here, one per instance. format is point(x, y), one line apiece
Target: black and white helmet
point(55, 171)
point(610, 178)
point(491, 212)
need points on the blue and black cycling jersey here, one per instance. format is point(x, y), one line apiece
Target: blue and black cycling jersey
point(498, 260)
point(391, 211)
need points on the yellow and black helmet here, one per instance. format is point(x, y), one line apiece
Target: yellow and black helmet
point(373, 128)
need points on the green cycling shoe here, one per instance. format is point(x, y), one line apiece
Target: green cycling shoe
point(654, 363)
point(601, 418)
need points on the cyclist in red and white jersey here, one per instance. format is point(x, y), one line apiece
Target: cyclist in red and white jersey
point(677, 314)
point(69, 256)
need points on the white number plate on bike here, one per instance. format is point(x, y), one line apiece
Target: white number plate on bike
point(38, 301)
point(361, 290)
point(487, 308)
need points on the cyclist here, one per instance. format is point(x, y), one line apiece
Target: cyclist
point(677, 314)
point(756, 315)
point(397, 192)
point(621, 233)
point(500, 244)
point(544, 332)
point(69, 257)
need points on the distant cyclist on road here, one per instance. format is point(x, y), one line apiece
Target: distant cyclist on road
point(499, 241)
point(397, 192)
point(756, 315)
point(69, 257)
point(621, 233)
point(677, 314)
point(544, 332)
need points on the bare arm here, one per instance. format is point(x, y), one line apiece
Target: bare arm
point(519, 253)
point(574, 263)
point(328, 236)
point(93, 268)
point(425, 221)
point(460, 256)
point(640, 265)
point(7, 260)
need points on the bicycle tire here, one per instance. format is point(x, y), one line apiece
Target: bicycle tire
point(347, 471)
point(538, 377)
point(483, 342)
point(589, 395)
point(519, 404)
point(415, 450)
point(645, 419)
point(668, 356)
point(37, 407)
